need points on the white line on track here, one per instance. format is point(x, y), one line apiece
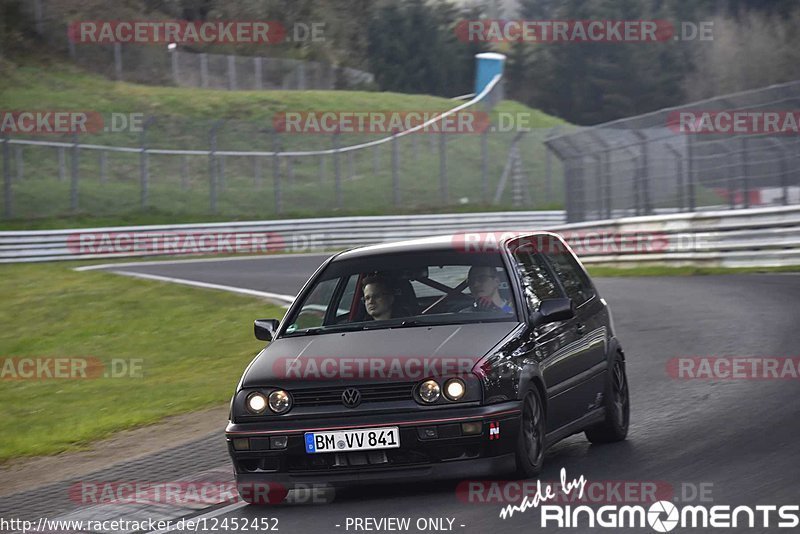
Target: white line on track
point(194, 260)
point(281, 299)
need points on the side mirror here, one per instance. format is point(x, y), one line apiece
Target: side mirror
point(265, 329)
point(552, 310)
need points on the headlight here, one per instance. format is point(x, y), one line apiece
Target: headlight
point(429, 391)
point(256, 403)
point(454, 389)
point(279, 401)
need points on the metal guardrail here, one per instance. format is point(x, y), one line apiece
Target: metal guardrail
point(295, 235)
point(762, 237)
point(754, 237)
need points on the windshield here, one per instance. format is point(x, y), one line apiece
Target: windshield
point(405, 290)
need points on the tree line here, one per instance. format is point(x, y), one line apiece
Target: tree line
point(413, 46)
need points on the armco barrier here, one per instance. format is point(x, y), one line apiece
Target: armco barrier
point(753, 237)
point(296, 235)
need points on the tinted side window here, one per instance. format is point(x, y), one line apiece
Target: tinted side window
point(312, 314)
point(537, 283)
point(576, 283)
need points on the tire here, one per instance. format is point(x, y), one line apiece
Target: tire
point(617, 405)
point(531, 439)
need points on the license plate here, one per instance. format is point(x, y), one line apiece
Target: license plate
point(353, 440)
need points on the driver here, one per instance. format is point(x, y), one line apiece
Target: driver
point(484, 284)
point(378, 297)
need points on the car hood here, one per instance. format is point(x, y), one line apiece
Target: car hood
point(385, 355)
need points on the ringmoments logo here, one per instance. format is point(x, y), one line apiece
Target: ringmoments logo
point(660, 516)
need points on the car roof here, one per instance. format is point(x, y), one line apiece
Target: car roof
point(443, 243)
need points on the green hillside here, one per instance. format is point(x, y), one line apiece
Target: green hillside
point(178, 188)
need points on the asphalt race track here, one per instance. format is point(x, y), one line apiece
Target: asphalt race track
point(734, 439)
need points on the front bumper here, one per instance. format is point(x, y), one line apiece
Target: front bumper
point(450, 454)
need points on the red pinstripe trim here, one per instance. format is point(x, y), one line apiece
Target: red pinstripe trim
point(379, 425)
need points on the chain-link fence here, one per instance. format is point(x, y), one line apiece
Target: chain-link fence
point(733, 151)
point(200, 167)
point(160, 65)
point(190, 65)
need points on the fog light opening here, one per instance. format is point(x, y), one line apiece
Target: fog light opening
point(471, 429)
point(241, 444)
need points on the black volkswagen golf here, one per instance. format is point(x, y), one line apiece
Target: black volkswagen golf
point(433, 358)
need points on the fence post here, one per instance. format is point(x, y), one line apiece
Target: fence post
point(645, 173)
point(184, 172)
point(257, 72)
point(599, 183)
point(19, 162)
point(637, 185)
point(745, 175)
point(690, 172)
point(212, 166)
point(103, 175)
point(37, 14)
point(609, 192)
point(118, 61)
point(62, 163)
point(276, 173)
point(73, 187)
point(395, 171)
point(681, 184)
point(784, 169)
point(257, 171)
point(231, 72)
point(678, 176)
point(443, 167)
point(375, 159)
point(337, 168)
point(569, 201)
point(174, 57)
point(485, 165)
point(350, 164)
point(144, 175)
point(204, 70)
point(784, 180)
point(221, 173)
point(8, 204)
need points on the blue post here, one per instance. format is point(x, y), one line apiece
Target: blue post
point(489, 65)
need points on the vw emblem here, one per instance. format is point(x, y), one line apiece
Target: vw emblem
point(351, 397)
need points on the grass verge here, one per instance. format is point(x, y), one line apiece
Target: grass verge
point(191, 346)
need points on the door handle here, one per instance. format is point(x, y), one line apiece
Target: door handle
point(580, 329)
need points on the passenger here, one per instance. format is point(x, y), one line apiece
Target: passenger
point(484, 284)
point(378, 297)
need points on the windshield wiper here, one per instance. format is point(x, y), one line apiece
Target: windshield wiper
point(328, 329)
